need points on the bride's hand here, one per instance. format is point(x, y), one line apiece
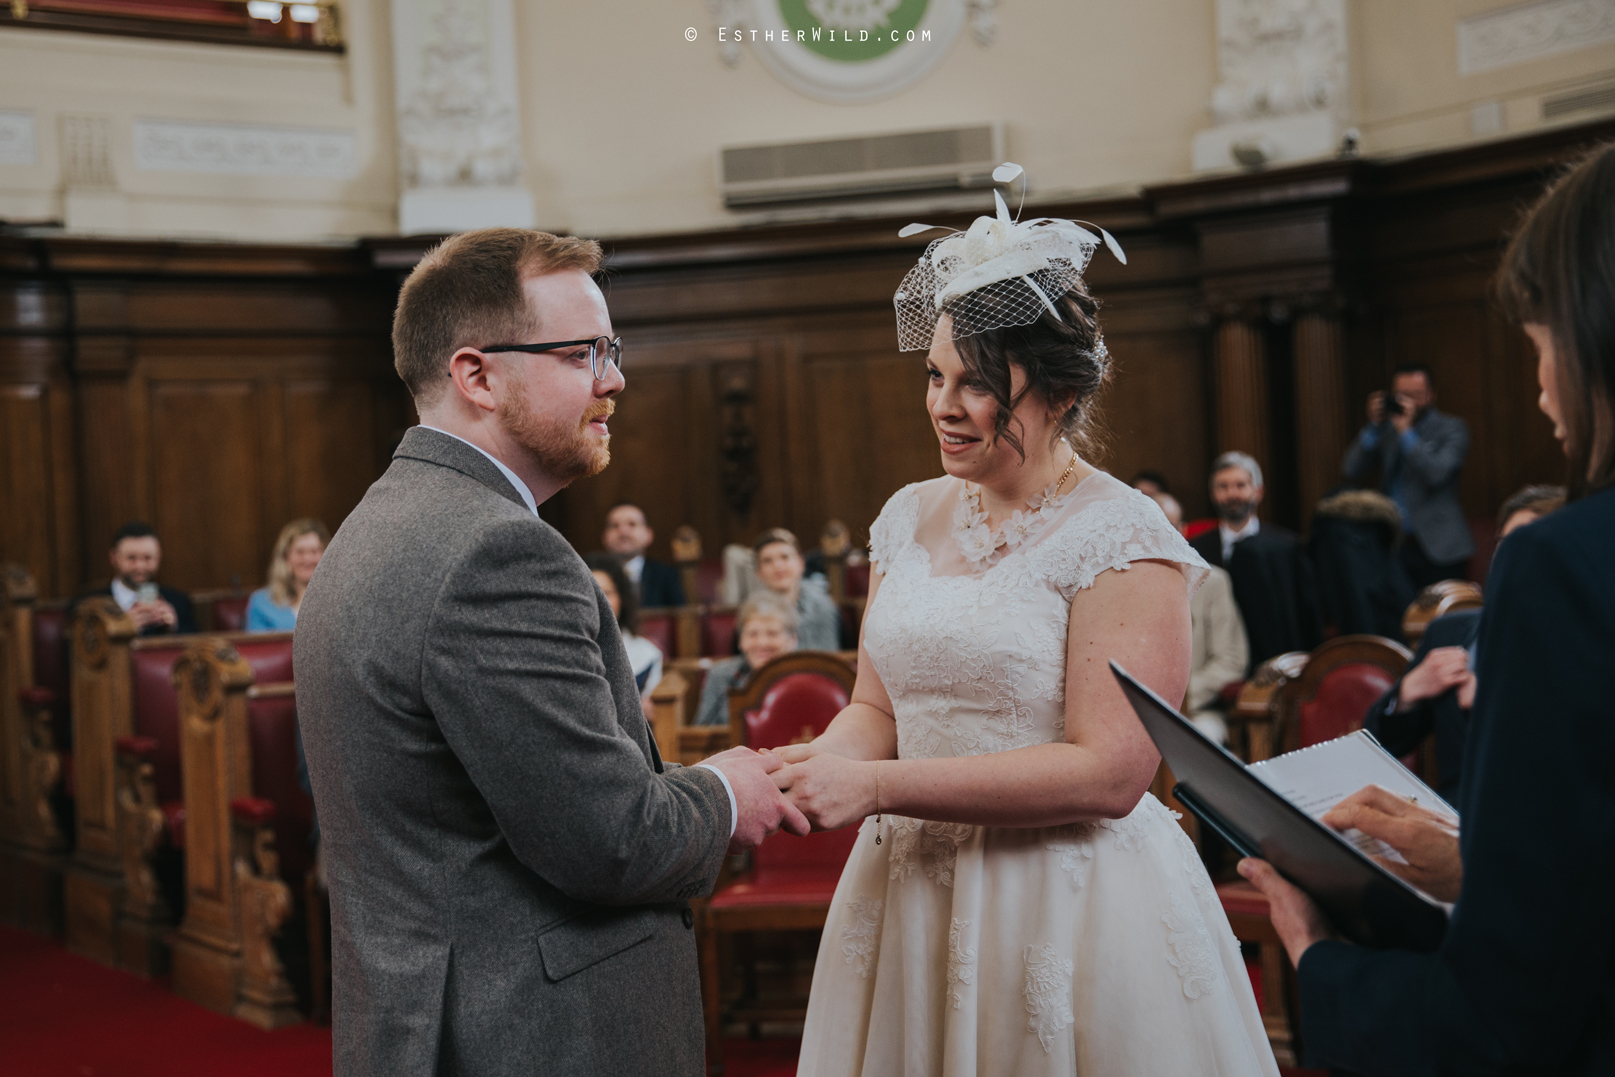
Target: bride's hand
point(831, 790)
point(794, 753)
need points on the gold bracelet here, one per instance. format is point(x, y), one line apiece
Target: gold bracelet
point(877, 802)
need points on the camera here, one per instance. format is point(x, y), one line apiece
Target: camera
point(1393, 406)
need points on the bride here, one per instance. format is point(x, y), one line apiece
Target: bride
point(1016, 902)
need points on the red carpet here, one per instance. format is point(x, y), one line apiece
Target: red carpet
point(64, 1016)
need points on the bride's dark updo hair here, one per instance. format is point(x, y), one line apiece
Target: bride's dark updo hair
point(1062, 359)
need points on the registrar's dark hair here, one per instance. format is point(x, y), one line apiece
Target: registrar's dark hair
point(628, 602)
point(1559, 271)
point(1062, 358)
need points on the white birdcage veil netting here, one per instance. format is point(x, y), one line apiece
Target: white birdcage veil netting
point(999, 273)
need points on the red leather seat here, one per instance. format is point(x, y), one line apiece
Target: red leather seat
point(272, 733)
point(793, 879)
point(1195, 528)
point(52, 645)
point(661, 628)
point(708, 583)
point(718, 632)
point(1343, 697)
point(856, 580)
point(156, 710)
point(230, 613)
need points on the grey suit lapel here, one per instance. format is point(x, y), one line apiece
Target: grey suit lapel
point(435, 447)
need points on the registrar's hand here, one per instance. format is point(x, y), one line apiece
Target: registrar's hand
point(831, 790)
point(1297, 919)
point(1442, 668)
point(760, 808)
point(1426, 839)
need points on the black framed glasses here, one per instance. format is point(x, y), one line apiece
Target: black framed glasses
point(604, 352)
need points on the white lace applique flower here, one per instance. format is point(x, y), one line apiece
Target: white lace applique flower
point(862, 936)
point(1076, 858)
point(1048, 993)
point(1191, 947)
point(977, 544)
point(1018, 527)
point(1130, 832)
point(961, 963)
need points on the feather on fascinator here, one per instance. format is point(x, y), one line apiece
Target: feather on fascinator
point(1001, 272)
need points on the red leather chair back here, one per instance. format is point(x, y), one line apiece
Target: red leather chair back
point(272, 732)
point(718, 632)
point(52, 645)
point(708, 583)
point(661, 629)
point(856, 580)
point(796, 707)
point(156, 706)
point(230, 613)
point(1195, 528)
point(1343, 697)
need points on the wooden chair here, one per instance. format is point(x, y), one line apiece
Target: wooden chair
point(1293, 701)
point(792, 880)
point(236, 745)
point(1438, 600)
point(122, 688)
point(32, 844)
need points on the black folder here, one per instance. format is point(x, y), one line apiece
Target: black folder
point(1367, 904)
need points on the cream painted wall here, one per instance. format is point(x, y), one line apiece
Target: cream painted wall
point(624, 117)
point(52, 74)
point(1408, 93)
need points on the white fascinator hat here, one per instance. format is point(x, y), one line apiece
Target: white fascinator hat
point(1001, 272)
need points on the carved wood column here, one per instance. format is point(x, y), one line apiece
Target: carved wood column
point(1320, 405)
point(17, 594)
point(1241, 370)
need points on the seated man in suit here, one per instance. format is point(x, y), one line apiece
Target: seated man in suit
point(1218, 650)
point(628, 535)
point(1420, 453)
point(136, 555)
point(1272, 577)
point(1438, 688)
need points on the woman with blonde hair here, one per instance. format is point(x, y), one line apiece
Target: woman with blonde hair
point(297, 553)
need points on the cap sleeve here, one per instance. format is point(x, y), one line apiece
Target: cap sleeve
point(893, 529)
point(1112, 533)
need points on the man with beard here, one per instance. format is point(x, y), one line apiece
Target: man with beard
point(510, 860)
point(1273, 581)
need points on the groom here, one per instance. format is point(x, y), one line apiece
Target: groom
point(510, 860)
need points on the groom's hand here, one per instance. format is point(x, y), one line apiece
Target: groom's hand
point(760, 808)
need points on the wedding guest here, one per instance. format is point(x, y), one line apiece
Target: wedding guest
point(1420, 454)
point(298, 550)
point(1437, 690)
point(767, 628)
point(1522, 981)
point(628, 535)
point(643, 655)
point(1218, 650)
point(1272, 577)
point(136, 557)
point(782, 570)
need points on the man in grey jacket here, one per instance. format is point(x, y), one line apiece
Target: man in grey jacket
point(510, 860)
point(1420, 453)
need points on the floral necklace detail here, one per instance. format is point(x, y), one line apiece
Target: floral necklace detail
point(980, 543)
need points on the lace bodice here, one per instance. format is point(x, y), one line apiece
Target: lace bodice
point(972, 655)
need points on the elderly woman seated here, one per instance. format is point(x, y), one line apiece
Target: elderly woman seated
point(767, 628)
point(780, 567)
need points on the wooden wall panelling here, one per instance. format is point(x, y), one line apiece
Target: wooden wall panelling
point(1320, 404)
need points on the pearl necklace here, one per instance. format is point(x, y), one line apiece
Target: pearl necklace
point(979, 543)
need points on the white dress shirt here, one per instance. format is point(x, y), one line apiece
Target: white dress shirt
point(1230, 536)
point(124, 595)
point(634, 568)
point(532, 505)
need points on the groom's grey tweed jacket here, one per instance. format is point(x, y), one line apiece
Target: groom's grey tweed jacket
point(509, 862)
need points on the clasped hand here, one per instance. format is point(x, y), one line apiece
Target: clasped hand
point(831, 790)
point(1426, 839)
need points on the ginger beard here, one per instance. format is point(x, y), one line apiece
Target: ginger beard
point(564, 452)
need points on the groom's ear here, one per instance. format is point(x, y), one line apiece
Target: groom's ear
point(469, 371)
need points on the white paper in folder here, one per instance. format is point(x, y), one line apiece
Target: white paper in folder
point(1315, 779)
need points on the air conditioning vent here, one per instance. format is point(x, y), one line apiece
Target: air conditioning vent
point(953, 158)
point(1598, 97)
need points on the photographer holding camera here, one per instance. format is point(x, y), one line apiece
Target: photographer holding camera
point(1420, 452)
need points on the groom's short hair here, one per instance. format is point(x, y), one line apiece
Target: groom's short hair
point(467, 292)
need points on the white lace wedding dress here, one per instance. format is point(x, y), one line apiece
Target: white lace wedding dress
point(974, 951)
